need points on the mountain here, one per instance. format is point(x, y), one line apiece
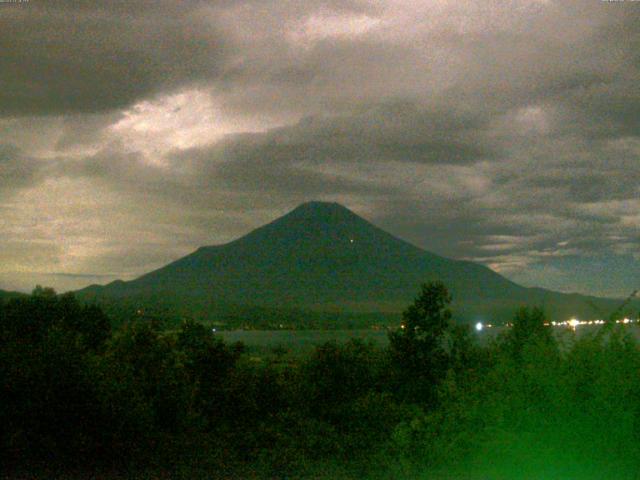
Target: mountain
point(321, 257)
point(6, 295)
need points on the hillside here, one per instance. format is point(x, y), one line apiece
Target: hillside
point(322, 257)
point(6, 295)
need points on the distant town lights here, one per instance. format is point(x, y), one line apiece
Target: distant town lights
point(572, 323)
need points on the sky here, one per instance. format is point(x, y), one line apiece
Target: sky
point(503, 132)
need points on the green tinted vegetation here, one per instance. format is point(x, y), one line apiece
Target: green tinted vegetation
point(142, 401)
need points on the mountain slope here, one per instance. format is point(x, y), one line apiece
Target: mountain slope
point(7, 295)
point(321, 256)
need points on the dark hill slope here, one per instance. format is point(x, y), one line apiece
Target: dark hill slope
point(6, 295)
point(321, 256)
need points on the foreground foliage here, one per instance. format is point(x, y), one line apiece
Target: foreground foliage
point(144, 402)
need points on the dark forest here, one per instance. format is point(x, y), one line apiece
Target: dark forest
point(81, 399)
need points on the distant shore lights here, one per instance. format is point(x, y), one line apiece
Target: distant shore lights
point(572, 323)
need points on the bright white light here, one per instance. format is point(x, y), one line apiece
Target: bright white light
point(479, 326)
point(573, 323)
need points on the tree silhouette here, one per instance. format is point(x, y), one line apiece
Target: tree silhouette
point(418, 347)
point(528, 328)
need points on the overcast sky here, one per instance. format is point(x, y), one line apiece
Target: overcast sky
point(501, 131)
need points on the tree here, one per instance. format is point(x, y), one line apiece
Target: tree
point(335, 375)
point(47, 406)
point(418, 348)
point(90, 322)
point(529, 328)
point(95, 327)
point(208, 363)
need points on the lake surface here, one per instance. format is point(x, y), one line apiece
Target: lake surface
point(300, 339)
point(308, 339)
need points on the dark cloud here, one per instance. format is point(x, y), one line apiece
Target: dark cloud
point(82, 56)
point(590, 186)
point(61, 57)
point(293, 158)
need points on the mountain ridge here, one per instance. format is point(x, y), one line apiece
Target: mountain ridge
point(323, 257)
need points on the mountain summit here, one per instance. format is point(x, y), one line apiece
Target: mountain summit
point(323, 257)
point(322, 230)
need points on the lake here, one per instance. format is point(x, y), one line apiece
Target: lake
point(301, 340)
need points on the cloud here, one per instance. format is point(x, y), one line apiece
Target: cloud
point(133, 132)
point(64, 57)
point(18, 170)
point(608, 274)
